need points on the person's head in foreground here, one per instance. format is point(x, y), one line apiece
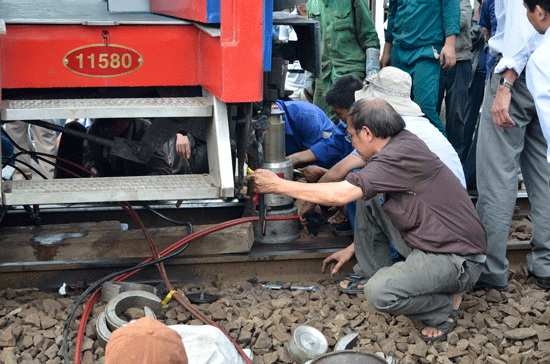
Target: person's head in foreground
point(145, 341)
point(371, 123)
point(538, 13)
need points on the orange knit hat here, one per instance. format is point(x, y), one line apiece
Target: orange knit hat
point(145, 341)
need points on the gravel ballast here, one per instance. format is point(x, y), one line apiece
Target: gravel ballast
point(493, 327)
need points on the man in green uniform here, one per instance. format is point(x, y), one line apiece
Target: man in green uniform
point(420, 39)
point(347, 31)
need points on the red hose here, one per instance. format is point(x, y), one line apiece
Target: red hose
point(172, 248)
point(128, 208)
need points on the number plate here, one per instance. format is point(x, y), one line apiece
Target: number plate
point(100, 60)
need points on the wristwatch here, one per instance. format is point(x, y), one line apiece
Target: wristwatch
point(506, 83)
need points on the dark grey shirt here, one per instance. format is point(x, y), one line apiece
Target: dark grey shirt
point(422, 197)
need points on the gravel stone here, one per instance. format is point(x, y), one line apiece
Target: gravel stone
point(33, 361)
point(87, 358)
point(512, 326)
point(32, 319)
point(46, 321)
point(7, 338)
point(52, 351)
point(520, 334)
point(8, 356)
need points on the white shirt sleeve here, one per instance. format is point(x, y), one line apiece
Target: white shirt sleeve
point(284, 32)
point(538, 83)
point(515, 38)
point(437, 143)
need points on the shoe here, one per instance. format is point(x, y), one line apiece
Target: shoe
point(542, 282)
point(446, 327)
point(343, 229)
point(483, 286)
point(352, 286)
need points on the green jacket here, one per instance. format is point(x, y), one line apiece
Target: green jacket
point(418, 23)
point(347, 31)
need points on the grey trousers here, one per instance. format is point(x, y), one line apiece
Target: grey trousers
point(421, 287)
point(499, 155)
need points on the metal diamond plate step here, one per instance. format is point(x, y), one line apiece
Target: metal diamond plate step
point(105, 108)
point(145, 188)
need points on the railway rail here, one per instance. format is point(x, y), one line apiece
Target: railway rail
point(300, 260)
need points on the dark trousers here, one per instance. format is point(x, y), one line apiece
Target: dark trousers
point(473, 106)
point(453, 87)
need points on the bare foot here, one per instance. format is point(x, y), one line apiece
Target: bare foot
point(345, 284)
point(432, 331)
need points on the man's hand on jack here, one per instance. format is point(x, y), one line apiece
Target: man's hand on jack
point(263, 181)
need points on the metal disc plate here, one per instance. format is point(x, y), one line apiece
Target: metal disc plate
point(348, 357)
point(202, 297)
point(310, 340)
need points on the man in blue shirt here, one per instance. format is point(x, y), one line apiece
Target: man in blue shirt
point(329, 151)
point(305, 125)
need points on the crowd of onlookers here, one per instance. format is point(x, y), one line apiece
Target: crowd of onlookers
point(451, 86)
point(491, 69)
point(464, 58)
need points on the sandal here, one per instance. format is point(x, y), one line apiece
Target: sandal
point(343, 229)
point(353, 276)
point(446, 327)
point(353, 288)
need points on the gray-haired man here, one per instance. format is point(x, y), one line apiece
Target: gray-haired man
point(423, 199)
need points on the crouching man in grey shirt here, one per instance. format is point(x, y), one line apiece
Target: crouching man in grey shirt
point(423, 199)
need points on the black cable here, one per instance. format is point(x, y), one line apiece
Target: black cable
point(15, 159)
point(71, 132)
point(175, 222)
point(40, 156)
point(99, 282)
point(14, 167)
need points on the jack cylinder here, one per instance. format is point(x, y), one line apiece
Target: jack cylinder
point(274, 144)
point(282, 231)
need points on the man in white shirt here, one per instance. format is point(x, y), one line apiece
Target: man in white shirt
point(510, 137)
point(538, 67)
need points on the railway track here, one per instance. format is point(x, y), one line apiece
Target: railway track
point(297, 261)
